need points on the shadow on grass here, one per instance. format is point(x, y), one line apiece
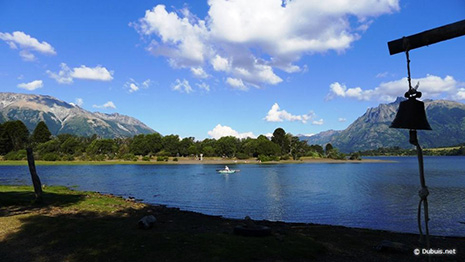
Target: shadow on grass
point(177, 236)
point(21, 199)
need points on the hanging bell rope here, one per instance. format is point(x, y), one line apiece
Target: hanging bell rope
point(412, 93)
point(411, 114)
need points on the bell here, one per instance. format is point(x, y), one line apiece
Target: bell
point(411, 115)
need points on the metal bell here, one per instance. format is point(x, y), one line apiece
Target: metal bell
point(411, 115)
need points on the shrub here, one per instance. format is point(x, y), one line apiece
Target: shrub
point(146, 158)
point(355, 156)
point(162, 158)
point(50, 157)
point(285, 157)
point(175, 159)
point(68, 158)
point(16, 155)
point(242, 156)
point(129, 157)
point(265, 158)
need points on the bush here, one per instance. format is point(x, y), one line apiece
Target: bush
point(146, 158)
point(50, 157)
point(355, 156)
point(175, 159)
point(129, 157)
point(16, 155)
point(285, 157)
point(68, 158)
point(242, 156)
point(162, 158)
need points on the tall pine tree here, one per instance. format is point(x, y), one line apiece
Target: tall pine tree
point(41, 133)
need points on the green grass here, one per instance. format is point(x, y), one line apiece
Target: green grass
point(85, 226)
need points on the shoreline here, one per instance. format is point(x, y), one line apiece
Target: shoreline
point(93, 218)
point(188, 161)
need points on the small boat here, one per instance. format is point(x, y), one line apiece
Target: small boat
point(226, 170)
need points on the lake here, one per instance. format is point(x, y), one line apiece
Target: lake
point(367, 195)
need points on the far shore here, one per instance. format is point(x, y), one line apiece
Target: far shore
point(190, 161)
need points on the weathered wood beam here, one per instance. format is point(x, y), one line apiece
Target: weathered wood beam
point(427, 37)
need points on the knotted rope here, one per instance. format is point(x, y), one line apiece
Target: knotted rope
point(423, 192)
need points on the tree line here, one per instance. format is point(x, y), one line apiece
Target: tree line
point(458, 150)
point(15, 137)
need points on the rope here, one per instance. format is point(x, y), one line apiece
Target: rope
point(423, 192)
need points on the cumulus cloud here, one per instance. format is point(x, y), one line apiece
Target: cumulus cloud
point(277, 115)
point(199, 72)
point(318, 122)
point(133, 86)
point(249, 40)
point(220, 64)
point(431, 87)
point(221, 131)
point(107, 105)
point(236, 83)
point(31, 85)
point(63, 76)
point(26, 44)
point(66, 75)
point(98, 73)
point(182, 86)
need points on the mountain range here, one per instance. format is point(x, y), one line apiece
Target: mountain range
point(371, 130)
point(62, 117)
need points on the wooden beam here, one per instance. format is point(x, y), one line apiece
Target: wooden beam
point(427, 37)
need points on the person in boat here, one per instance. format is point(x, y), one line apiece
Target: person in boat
point(226, 168)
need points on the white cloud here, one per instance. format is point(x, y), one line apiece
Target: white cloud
point(204, 86)
point(182, 39)
point(199, 72)
point(26, 55)
point(26, 44)
point(221, 131)
point(133, 88)
point(236, 83)
point(318, 122)
point(31, 85)
point(147, 83)
point(431, 87)
point(460, 94)
point(182, 86)
point(79, 102)
point(258, 36)
point(220, 64)
point(108, 104)
point(277, 115)
point(98, 73)
point(66, 75)
point(341, 119)
point(63, 76)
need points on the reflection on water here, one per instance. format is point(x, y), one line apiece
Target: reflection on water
point(369, 195)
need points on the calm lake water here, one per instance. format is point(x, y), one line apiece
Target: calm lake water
point(366, 195)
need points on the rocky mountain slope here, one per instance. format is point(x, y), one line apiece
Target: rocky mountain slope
point(371, 130)
point(62, 117)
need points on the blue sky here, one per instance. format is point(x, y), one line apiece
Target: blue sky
point(213, 68)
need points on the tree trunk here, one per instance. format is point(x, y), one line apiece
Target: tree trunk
point(35, 178)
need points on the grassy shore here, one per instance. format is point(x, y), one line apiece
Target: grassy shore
point(86, 226)
point(186, 160)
